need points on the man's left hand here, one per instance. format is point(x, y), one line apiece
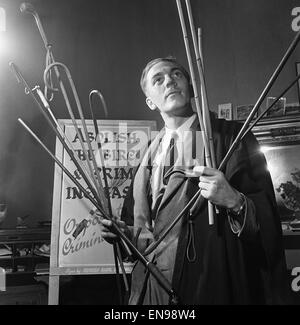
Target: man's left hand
point(215, 188)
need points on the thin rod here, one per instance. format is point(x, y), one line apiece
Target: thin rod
point(204, 100)
point(122, 267)
point(117, 273)
point(104, 106)
point(49, 56)
point(99, 142)
point(202, 64)
point(200, 46)
point(205, 107)
point(41, 29)
point(49, 60)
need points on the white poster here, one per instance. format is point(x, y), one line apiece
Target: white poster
point(122, 144)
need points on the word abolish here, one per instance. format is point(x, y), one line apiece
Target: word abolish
point(111, 137)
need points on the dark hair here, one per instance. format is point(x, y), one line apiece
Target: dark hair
point(157, 60)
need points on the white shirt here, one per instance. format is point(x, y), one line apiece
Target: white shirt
point(184, 157)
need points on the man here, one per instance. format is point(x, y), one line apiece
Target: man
point(237, 260)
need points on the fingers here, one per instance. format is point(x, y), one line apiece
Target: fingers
point(208, 189)
point(109, 235)
point(205, 186)
point(107, 231)
point(209, 180)
point(204, 179)
point(108, 223)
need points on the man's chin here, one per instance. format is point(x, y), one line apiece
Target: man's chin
point(174, 106)
point(177, 111)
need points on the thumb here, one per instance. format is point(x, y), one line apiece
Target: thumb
point(196, 172)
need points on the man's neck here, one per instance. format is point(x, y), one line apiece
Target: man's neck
point(173, 122)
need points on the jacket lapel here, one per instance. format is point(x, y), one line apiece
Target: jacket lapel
point(141, 208)
point(177, 177)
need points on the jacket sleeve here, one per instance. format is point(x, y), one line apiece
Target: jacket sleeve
point(248, 173)
point(245, 224)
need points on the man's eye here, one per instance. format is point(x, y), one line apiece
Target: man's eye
point(178, 74)
point(158, 80)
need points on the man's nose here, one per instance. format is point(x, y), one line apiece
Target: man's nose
point(169, 80)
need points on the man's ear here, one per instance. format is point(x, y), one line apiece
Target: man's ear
point(150, 104)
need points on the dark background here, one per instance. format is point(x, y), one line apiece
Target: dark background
point(106, 44)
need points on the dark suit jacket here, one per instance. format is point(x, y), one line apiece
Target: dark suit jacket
point(225, 268)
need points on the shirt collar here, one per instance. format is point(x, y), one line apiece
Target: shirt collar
point(183, 127)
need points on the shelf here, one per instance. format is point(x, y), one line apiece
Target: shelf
point(23, 243)
point(29, 256)
point(25, 235)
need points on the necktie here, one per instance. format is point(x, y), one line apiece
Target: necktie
point(171, 156)
point(159, 182)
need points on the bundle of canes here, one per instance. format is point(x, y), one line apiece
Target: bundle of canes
point(28, 8)
point(202, 112)
point(93, 196)
point(52, 121)
point(97, 193)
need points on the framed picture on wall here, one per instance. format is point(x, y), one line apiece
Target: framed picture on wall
point(242, 112)
point(280, 142)
point(225, 111)
point(278, 108)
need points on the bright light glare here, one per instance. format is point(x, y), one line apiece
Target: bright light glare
point(2, 20)
point(4, 44)
point(263, 149)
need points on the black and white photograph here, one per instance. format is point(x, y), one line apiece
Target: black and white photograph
point(225, 111)
point(137, 171)
point(242, 112)
point(275, 106)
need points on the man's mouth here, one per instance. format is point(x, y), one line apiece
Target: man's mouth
point(173, 92)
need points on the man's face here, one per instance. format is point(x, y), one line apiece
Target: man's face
point(167, 89)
